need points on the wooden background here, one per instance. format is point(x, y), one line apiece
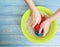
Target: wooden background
point(11, 12)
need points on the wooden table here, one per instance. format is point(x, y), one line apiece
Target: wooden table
point(11, 12)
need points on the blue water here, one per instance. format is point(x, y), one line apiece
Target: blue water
point(11, 12)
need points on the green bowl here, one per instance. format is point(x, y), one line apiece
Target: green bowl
point(29, 34)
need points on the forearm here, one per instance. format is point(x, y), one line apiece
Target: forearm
point(55, 16)
point(31, 5)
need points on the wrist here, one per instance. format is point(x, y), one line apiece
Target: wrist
point(50, 20)
point(34, 10)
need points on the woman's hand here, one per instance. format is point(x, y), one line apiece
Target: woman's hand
point(46, 24)
point(45, 27)
point(35, 18)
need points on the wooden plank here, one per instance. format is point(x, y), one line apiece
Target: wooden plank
point(11, 12)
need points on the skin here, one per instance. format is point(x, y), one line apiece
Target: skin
point(36, 18)
point(46, 24)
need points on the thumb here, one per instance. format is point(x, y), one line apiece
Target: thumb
point(44, 33)
point(34, 24)
point(40, 30)
point(39, 20)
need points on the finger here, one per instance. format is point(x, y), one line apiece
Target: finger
point(44, 33)
point(40, 30)
point(31, 22)
point(34, 24)
point(39, 20)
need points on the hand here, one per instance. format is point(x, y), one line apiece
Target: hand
point(45, 27)
point(35, 18)
point(46, 24)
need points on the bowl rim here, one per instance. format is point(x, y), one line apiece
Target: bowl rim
point(41, 40)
